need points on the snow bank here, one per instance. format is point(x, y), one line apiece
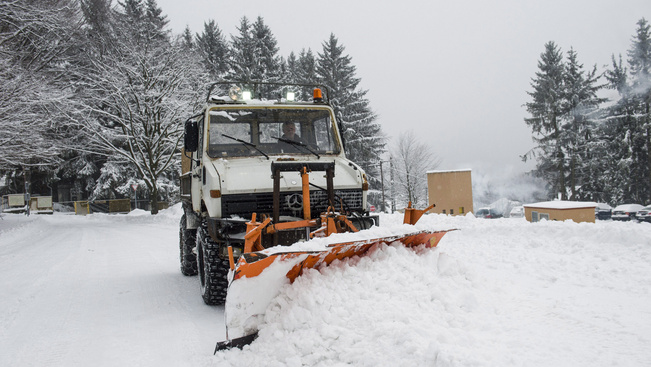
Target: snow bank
point(497, 292)
point(500, 292)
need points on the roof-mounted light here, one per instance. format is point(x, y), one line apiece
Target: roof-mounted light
point(317, 95)
point(235, 93)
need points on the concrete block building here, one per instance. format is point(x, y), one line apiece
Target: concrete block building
point(451, 191)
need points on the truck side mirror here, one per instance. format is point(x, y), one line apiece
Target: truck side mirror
point(191, 138)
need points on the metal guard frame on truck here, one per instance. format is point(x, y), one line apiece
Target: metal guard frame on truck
point(237, 91)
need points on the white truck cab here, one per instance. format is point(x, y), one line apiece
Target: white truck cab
point(246, 153)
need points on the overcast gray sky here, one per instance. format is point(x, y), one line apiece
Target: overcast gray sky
point(456, 72)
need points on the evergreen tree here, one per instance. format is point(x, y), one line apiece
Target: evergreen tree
point(640, 67)
point(629, 121)
point(213, 49)
point(639, 57)
point(254, 57)
point(156, 22)
point(302, 70)
point(267, 67)
point(187, 39)
point(144, 22)
point(546, 109)
point(242, 60)
point(291, 68)
point(99, 22)
point(617, 77)
point(364, 141)
point(580, 103)
point(306, 72)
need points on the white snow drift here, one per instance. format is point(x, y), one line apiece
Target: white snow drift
point(106, 291)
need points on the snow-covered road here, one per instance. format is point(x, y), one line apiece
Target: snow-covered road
point(99, 291)
point(106, 291)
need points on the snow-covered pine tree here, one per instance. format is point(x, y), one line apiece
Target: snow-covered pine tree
point(254, 57)
point(156, 22)
point(306, 72)
point(187, 39)
point(629, 121)
point(144, 21)
point(242, 57)
point(546, 109)
point(364, 140)
point(291, 68)
point(639, 61)
point(213, 49)
point(580, 106)
point(302, 70)
point(98, 23)
point(267, 67)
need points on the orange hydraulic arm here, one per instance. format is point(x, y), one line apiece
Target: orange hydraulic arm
point(413, 215)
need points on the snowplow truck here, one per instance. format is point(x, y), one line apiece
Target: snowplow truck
point(248, 154)
point(264, 171)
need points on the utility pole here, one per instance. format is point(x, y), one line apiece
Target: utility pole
point(384, 203)
point(135, 195)
point(28, 180)
point(393, 190)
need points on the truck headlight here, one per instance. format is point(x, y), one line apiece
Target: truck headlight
point(237, 252)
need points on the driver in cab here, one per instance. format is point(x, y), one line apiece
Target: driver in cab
point(289, 132)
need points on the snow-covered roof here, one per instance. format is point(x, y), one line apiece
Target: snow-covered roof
point(627, 207)
point(449, 171)
point(559, 204)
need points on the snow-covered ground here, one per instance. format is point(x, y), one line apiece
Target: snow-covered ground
point(105, 290)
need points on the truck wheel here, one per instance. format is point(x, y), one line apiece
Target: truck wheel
point(213, 271)
point(187, 243)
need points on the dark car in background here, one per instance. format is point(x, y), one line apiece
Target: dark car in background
point(626, 212)
point(644, 214)
point(603, 211)
point(488, 213)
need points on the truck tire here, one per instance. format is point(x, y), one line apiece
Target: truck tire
point(213, 271)
point(187, 243)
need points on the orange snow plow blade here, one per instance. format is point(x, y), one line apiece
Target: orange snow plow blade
point(258, 277)
point(252, 265)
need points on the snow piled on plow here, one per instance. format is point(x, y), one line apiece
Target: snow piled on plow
point(497, 292)
point(322, 243)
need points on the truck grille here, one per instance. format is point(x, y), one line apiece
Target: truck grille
point(246, 204)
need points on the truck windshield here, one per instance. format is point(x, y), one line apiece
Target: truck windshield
point(309, 127)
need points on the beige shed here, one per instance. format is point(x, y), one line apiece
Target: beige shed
point(577, 211)
point(451, 191)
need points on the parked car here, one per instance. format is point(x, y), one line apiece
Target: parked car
point(626, 212)
point(644, 214)
point(487, 213)
point(603, 211)
point(517, 212)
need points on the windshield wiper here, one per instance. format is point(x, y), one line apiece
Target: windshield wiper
point(246, 143)
point(298, 144)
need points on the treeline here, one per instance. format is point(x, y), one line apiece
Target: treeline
point(93, 95)
point(589, 147)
